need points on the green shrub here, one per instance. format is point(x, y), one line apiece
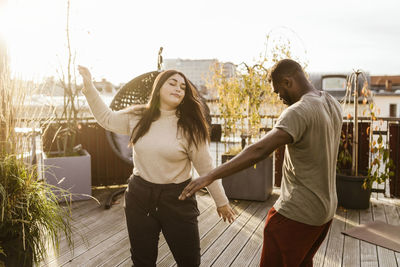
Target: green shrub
point(31, 216)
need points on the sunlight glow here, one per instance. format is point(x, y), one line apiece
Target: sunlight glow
point(119, 39)
point(30, 37)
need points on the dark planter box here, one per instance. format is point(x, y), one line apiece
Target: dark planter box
point(16, 255)
point(350, 193)
point(216, 132)
point(253, 183)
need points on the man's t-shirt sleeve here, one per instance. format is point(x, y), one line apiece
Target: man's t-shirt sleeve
point(292, 122)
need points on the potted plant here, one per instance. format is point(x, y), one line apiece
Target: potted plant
point(241, 102)
point(260, 185)
point(243, 99)
point(69, 166)
point(30, 214)
point(353, 184)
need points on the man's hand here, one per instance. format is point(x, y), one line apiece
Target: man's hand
point(227, 213)
point(195, 186)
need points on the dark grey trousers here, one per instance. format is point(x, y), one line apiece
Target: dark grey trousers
point(151, 208)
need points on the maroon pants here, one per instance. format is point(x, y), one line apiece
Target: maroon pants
point(290, 243)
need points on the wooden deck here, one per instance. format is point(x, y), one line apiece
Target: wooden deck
point(101, 237)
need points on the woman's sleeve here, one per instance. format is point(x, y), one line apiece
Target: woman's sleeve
point(115, 121)
point(203, 163)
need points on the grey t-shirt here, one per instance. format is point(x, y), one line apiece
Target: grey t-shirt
point(308, 190)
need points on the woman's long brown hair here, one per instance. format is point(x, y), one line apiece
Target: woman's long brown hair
point(190, 113)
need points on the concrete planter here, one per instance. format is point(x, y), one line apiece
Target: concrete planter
point(251, 183)
point(350, 193)
point(70, 173)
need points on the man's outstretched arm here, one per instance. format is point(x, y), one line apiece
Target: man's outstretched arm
point(248, 157)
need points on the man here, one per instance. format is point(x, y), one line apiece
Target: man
point(310, 128)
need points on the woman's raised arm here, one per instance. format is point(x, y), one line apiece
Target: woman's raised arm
point(115, 121)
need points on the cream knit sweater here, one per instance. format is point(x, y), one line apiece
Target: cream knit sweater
point(162, 155)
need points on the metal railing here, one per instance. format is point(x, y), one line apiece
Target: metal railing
point(108, 169)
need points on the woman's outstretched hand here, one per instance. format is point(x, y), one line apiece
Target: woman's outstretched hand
point(227, 213)
point(86, 75)
point(195, 186)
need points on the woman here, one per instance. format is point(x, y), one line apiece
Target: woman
point(168, 135)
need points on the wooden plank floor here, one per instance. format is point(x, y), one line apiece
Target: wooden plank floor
point(101, 239)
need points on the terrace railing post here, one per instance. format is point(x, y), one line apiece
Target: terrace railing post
point(354, 167)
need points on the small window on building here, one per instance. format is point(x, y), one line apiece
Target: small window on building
point(393, 110)
point(337, 83)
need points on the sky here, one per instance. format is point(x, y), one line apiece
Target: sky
point(119, 40)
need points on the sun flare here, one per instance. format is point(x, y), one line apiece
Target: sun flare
point(25, 32)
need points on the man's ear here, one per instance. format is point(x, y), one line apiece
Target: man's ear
point(287, 82)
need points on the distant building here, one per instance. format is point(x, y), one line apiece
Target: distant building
point(387, 83)
point(198, 71)
point(333, 83)
point(386, 91)
point(387, 94)
point(52, 86)
point(105, 86)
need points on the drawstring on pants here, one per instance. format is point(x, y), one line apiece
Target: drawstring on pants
point(155, 191)
point(153, 199)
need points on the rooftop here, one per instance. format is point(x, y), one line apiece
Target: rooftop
point(101, 238)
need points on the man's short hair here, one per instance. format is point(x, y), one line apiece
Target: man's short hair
point(284, 68)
